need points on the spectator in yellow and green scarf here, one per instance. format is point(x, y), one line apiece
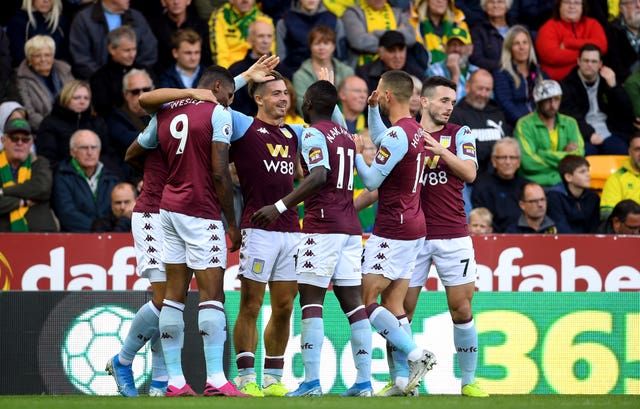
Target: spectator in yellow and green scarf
point(433, 20)
point(25, 183)
point(229, 29)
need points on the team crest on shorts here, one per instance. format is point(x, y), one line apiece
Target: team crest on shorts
point(258, 266)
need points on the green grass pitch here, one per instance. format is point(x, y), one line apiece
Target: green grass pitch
point(325, 402)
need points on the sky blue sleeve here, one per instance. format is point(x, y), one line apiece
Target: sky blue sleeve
point(338, 118)
point(314, 149)
point(221, 121)
point(393, 146)
point(370, 176)
point(299, 130)
point(466, 145)
point(241, 123)
point(377, 128)
point(148, 138)
point(239, 82)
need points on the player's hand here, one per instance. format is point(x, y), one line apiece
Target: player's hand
point(432, 145)
point(234, 237)
point(202, 94)
point(373, 99)
point(359, 143)
point(263, 217)
point(260, 71)
point(326, 74)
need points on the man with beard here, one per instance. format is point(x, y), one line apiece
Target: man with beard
point(449, 164)
point(399, 229)
point(483, 115)
point(485, 118)
point(546, 136)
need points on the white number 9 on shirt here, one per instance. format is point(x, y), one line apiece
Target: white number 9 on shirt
point(181, 134)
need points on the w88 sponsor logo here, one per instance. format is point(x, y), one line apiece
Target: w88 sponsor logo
point(279, 166)
point(434, 178)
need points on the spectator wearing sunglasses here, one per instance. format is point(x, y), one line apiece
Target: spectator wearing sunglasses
point(106, 82)
point(128, 120)
point(25, 183)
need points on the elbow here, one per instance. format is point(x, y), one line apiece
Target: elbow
point(370, 185)
point(470, 178)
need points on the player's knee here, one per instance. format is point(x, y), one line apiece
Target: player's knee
point(250, 310)
point(461, 313)
point(282, 309)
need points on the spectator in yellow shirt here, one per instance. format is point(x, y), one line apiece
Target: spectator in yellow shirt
point(229, 29)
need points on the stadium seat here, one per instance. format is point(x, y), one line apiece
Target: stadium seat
point(601, 167)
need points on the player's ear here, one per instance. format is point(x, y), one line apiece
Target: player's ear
point(217, 84)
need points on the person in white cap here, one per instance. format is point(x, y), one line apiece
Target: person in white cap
point(546, 136)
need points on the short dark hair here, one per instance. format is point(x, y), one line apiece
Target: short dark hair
point(570, 163)
point(325, 97)
point(623, 209)
point(429, 84)
point(255, 86)
point(590, 47)
point(556, 9)
point(399, 83)
point(215, 73)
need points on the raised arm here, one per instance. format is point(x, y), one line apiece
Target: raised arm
point(152, 101)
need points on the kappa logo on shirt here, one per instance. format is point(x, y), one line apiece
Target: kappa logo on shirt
point(469, 150)
point(263, 130)
point(383, 155)
point(315, 155)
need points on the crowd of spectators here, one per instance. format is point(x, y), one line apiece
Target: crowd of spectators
point(73, 71)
